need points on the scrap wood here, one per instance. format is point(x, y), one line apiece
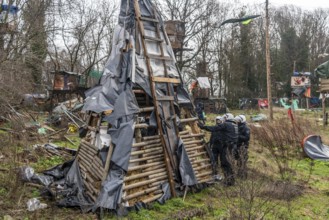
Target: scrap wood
point(48, 128)
point(6, 129)
point(4, 169)
point(69, 140)
point(56, 132)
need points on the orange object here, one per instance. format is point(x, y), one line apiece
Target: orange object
point(308, 93)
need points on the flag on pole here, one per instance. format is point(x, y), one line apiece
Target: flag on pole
point(245, 20)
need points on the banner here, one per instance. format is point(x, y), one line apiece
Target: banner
point(300, 81)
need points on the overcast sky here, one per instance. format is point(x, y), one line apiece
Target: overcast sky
point(305, 4)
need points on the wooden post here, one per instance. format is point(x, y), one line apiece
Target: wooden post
point(268, 64)
point(324, 108)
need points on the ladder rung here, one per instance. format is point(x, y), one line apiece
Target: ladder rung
point(153, 39)
point(157, 57)
point(186, 120)
point(149, 19)
point(166, 80)
point(165, 98)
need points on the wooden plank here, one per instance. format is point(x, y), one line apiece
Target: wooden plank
point(157, 57)
point(166, 80)
point(204, 174)
point(146, 158)
point(140, 193)
point(186, 120)
point(147, 109)
point(202, 167)
point(152, 199)
point(139, 167)
point(184, 132)
point(143, 183)
point(154, 153)
point(145, 143)
point(165, 98)
point(153, 39)
point(147, 138)
point(194, 142)
point(139, 126)
point(134, 153)
point(149, 19)
point(197, 155)
point(146, 174)
point(192, 135)
point(200, 161)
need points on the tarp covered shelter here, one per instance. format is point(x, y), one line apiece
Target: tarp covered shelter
point(323, 70)
point(136, 148)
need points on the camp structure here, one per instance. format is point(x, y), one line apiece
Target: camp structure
point(141, 142)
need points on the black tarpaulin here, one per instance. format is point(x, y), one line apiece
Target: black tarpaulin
point(122, 138)
point(111, 192)
point(97, 102)
point(60, 171)
point(125, 104)
point(183, 96)
point(166, 193)
point(74, 190)
point(185, 166)
point(315, 149)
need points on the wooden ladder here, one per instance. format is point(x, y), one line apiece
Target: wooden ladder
point(163, 105)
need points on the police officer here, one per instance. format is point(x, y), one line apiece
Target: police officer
point(216, 146)
point(200, 111)
point(242, 147)
point(229, 131)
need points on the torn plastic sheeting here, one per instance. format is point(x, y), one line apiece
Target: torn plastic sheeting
point(315, 149)
point(59, 171)
point(28, 175)
point(113, 65)
point(126, 70)
point(143, 81)
point(35, 204)
point(97, 102)
point(125, 104)
point(74, 191)
point(166, 193)
point(153, 121)
point(111, 192)
point(122, 138)
point(185, 166)
point(183, 96)
point(126, 16)
point(127, 13)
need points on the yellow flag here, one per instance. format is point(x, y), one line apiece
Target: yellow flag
point(246, 22)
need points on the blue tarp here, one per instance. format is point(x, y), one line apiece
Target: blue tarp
point(12, 8)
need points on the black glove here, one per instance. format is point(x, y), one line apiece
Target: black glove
point(235, 151)
point(201, 125)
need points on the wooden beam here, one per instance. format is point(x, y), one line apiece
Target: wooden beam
point(166, 80)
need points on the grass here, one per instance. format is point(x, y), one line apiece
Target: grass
point(214, 202)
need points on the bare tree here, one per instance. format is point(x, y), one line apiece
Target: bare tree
point(82, 33)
